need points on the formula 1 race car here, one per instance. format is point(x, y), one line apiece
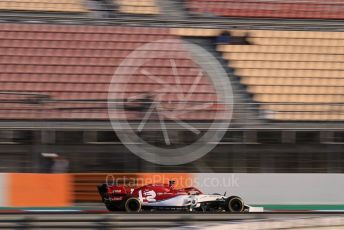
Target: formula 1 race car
point(166, 197)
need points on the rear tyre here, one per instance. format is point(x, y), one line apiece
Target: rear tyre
point(234, 204)
point(132, 204)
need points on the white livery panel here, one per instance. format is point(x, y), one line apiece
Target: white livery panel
point(177, 201)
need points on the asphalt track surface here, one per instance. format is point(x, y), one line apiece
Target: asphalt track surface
point(173, 220)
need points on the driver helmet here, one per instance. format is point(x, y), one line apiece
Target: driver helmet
point(171, 183)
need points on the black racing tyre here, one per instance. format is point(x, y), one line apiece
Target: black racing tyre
point(234, 204)
point(132, 204)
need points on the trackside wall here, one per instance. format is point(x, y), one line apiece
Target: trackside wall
point(3, 189)
point(277, 188)
point(62, 190)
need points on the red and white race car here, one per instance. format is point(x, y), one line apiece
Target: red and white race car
point(166, 197)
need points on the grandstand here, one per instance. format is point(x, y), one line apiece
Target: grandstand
point(287, 82)
point(292, 75)
point(69, 65)
point(67, 6)
point(138, 7)
point(289, 68)
point(319, 9)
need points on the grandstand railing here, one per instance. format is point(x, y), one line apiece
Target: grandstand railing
point(242, 23)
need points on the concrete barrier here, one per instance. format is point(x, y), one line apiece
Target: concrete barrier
point(3, 189)
point(290, 189)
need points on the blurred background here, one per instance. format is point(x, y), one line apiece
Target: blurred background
point(58, 58)
point(284, 60)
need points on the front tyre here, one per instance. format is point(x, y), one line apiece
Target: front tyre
point(234, 204)
point(132, 204)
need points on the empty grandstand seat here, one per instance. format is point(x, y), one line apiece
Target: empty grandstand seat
point(68, 6)
point(137, 6)
point(199, 32)
point(269, 9)
point(60, 72)
point(299, 75)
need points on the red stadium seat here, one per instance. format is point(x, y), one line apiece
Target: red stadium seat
point(307, 9)
point(78, 62)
